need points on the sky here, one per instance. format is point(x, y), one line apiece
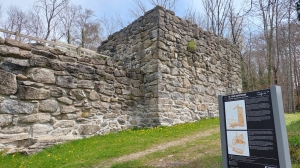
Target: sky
point(110, 8)
point(106, 7)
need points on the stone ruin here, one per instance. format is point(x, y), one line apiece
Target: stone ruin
point(152, 78)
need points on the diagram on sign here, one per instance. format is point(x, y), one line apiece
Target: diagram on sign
point(235, 115)
point(238, 143)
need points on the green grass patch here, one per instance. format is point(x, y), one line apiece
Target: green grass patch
point(209, 155)
point(91, 151)
point(130, 164)
point(291, 117)
point(204, 151)
point(294, 141)
point(293, 131)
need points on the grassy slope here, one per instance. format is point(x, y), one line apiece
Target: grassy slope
point(89, 151)
point(213, 158)
point(204, 152)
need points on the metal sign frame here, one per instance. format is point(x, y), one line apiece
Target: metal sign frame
point(276, 114)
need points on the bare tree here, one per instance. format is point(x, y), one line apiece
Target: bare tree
point(68, 21)
point(0, 12)
point(142, 7)
point(267, 9)
point(192, 15)
point(119, 21)
point(291, 82)
point(217, 12)
point(34, 25)
point(235, 25)
point(140, 10)
point(50, 10)
point(15, 20)
point(89, 30)
point(168, 4)
point(109, 25)
point(91, 35)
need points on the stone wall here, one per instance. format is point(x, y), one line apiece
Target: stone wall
point(48, 96)
point(180, 85)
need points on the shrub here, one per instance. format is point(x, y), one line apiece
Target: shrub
point(191, 47)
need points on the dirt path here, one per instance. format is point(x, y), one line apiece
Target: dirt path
point(159, 147)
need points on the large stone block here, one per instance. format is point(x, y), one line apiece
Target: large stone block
point(35, 118)
point(137, 92)
point(152, 77)
point(78, 93)
point(56, 51)
point(63, 124)
point(202, 107)
point(210, 91)
point(59, 132)
point(11, 42)
point(149, 68)
point(16, 66)
point(9, 51)
point(8, 83)
point(94, 95)
point(5, 119)
point(198, 89)
point(31, 93)
point(100, 105)
point(40, 61)
point(67, 58)
point(57, 92)
point(68, 109)
point(177, 96)
point(186, 83)
point(77, 68)
point(40, 129)
point(66, 81)
point(65, 100)
point(15, 130)
point(110, 115)
point(13, 137)
point(88, 129)
point(85, 69)
point(50, 106)
point(14, 107)
point(41, 75)
point(44, 53)
point(123, 80)
point(119, 73)
point(87, 84)
point(105, 88)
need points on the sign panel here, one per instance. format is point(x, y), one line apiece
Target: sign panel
point(248, 130)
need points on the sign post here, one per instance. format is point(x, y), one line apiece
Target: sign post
point(253, 130)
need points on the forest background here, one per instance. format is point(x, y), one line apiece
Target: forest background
point(265, 31)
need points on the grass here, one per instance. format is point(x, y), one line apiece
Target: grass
point(291, 117)
point(91, 151)
point(202, 152)
point(294, 141)
point(212, 144)
point(293, 130)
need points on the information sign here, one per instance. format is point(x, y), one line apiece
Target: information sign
point(253, 130)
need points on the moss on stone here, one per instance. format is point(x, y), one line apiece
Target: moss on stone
point(191, 47)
